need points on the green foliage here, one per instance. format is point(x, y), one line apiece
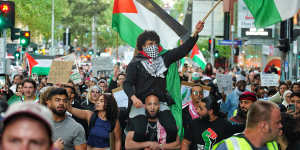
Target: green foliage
point(224, 51)
point(177, 8)
point(75, 14)
point(37, 15)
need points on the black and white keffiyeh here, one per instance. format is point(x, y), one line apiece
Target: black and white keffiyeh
point(151, 51)
point(155, 67)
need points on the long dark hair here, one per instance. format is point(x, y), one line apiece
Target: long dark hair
point(207, 71)
point(111, 108)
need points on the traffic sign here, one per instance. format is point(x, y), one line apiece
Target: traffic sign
point(229, 42)
point(286, 66)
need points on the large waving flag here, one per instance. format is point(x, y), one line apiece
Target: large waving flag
point(268, 12)
point(132, 17)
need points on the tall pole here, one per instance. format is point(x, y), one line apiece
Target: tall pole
point(117, 50)
point(3, 53)
point(232, 47)
point(52, 31)
point(67, 46)
point(94, 34)
point(212, 36)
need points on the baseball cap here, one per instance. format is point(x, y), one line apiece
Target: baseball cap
point(33, 109)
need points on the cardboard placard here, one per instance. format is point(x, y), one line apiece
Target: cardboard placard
point(102, 64)
point(268, 79)
point(75, 76)
point(60, 72)
point(224, 82)
point(120, 96)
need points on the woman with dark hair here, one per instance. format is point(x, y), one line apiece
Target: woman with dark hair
point(102, 122)
point(208, 71)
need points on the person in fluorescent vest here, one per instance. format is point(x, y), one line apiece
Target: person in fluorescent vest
point(263, 126)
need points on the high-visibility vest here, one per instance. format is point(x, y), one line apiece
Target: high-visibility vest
point(234, 113)
point(240, 143)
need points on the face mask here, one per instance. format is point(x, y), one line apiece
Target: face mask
point(151, 51)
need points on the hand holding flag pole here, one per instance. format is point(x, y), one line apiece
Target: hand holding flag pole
point(200, 24)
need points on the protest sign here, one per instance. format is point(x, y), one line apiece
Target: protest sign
point(102, 65)
point(120, 96)
point(60, 72)
point(268, 79)
point(224, 82)
point(75, 76)
point(186, 91)
point(2, 66)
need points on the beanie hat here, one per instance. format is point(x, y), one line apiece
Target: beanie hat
point(248, 96)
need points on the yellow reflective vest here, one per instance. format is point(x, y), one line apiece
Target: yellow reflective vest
point(240, 143)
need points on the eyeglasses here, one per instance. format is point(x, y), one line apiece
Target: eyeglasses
point(95, 92)
point(197, 93)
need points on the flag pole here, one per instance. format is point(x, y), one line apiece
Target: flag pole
point(117, 46)
point(211, 10)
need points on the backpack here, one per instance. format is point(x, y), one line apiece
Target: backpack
point(93, 122)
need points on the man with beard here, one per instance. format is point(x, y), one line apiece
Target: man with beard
point(231, 102)
point(66, 130)
point(189, 111)
point(246, 100)
point(263, 126)
point(210, 128)
point(156, 136)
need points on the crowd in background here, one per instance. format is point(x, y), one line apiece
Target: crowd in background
point(94, 94)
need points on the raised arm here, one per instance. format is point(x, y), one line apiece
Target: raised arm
point(81, 114)
point(181, 51)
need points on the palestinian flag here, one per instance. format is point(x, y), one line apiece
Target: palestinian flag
point(38, 66)
point(197, 57)
point(43, 67)
point(269, 12)
point(132, 17)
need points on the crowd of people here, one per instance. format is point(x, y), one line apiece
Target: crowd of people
point(38, 115)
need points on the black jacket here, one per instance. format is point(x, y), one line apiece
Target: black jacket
point(139, 82)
